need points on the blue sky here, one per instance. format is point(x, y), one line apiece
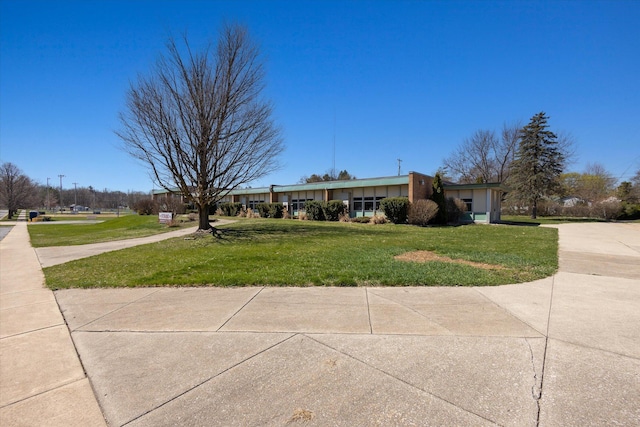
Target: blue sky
point(385, 80)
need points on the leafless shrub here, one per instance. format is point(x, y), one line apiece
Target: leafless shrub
point(378, 219)
point(344, 218)
point(422, 211)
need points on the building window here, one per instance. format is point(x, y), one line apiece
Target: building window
point(378, 199)
point(368, 203)
point(298, 204)
point(254, 203)
point(357, 204)
point(469, 204)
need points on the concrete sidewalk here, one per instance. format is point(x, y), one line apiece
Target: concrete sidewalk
point(42, 380)
point(560, 351)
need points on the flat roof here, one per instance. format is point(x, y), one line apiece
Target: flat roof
point(351, 183)
point(472, 186)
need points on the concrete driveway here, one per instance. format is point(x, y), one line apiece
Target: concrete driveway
point(560, 351)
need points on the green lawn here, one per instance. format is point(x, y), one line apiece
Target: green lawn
point(124, 227)
point(301, 253)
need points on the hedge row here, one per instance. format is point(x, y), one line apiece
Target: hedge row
point(325, 211)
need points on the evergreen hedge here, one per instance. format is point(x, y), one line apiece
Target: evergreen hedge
point(395, 209)
point(230, 209)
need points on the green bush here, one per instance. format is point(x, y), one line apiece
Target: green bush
point(230, 209)
point(314, 210)
point(630, 211)
point(333, 210)
point(455, 209)
point(270, 210)
point(395, 209)
point(422, 211)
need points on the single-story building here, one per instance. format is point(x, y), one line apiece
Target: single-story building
point(362, 196)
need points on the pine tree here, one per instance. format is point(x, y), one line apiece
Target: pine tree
point(537, 165)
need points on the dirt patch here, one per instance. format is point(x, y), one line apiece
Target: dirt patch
point(426, 256)
point(301, 415)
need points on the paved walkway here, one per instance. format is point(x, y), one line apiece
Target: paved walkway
point(560, 351)
point(42, 381)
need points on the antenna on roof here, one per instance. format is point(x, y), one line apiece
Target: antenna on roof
point(399, 161)
point(334, 143)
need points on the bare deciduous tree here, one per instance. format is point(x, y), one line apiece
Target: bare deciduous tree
point(484, 157)
point(199, 121)
point(16, 189)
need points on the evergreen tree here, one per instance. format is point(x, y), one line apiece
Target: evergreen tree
point(537, 165)
point(439, 198)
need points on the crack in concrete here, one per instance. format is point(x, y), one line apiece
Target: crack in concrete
point(535, 388)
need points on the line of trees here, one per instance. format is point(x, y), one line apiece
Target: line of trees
point(18, 191)
point(330, 175)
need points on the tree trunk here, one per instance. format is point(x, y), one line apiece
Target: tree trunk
point(203, 214)
point(534, 210)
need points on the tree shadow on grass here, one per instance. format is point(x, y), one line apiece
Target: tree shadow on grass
point(521, 223)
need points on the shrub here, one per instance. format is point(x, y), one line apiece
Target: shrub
point(333, 210)
point(230, 209)
point(455, 209)
point(285, 214)
point(422, 211)
point(361, 219)
point(302, 216)
point(192, 217)
point(263, 209)
point(378, 219)
point(344, 217)
point(146, 207)
point(314, 210)
point(629, 211)
point(172, 204)
point(270, 210)
point(395, 209)
point(607, 209)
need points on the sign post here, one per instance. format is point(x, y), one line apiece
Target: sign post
point(165, 217)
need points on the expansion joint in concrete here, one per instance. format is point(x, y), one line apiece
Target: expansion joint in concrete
point(177, 396)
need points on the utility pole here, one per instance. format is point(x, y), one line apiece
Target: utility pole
point(48, 204)
point(399, 161)
point(75, 196)
point(61, 176)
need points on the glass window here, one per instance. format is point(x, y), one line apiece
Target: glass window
point(357, 204)
point(378, 202)
point(368, 203)
point(469, 204)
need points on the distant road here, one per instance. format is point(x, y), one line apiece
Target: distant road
point(4, 230)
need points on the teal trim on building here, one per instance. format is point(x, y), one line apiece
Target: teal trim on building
point(336, 185)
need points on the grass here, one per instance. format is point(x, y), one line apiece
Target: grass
point(301, 253)
point(117, 228)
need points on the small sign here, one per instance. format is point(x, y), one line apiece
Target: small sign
point(165, 217)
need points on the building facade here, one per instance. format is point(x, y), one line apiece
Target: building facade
point(362, 196)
